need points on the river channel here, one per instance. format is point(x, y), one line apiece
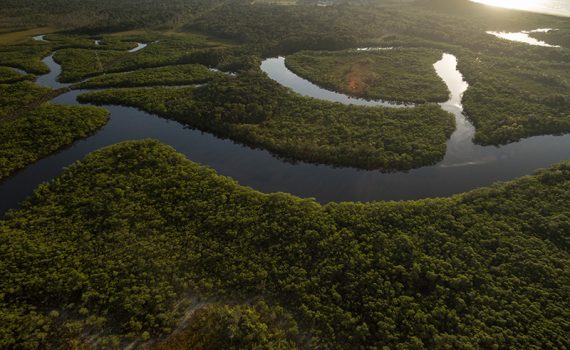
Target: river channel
point(466, 166)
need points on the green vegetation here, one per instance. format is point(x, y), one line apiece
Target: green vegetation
point(458, 27)
point(9, 75)
point(554, 37)
point(100, 15)
point(395, 75)
point(15, 97)
point(519, 99)
point(44, 130)
point(25, 56)
point(255, 110)
point(234, 327)
point(78, 64)
point(107, 251)
point(496, 95)
point(31, 129)
point(170, 75)
point(106, 42)
point(136, 245)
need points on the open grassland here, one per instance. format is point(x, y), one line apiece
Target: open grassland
point(19, 36)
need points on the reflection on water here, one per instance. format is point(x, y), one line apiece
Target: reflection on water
point(466, 166)
point(139, 47)
point(50, 79)
point(524, 37)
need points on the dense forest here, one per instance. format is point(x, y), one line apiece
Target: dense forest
point(80, 63)
point(259, 112)
point(457, 27)
point(124, 244)
point(25, 56)
point(186, 74)
point(96, 16)
point(516, 90)
point(405, 75)
point(10, 75)
point(31, 129)
point(136, 246)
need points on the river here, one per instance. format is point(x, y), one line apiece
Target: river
point(465, 166)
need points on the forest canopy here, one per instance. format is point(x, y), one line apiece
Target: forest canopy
point(137, 246)
point(393, 74)
point(152, 234)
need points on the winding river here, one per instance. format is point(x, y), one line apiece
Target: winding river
point(524, 36)
point(465, 166)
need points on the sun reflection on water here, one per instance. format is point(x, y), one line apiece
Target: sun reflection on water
point(557, 7)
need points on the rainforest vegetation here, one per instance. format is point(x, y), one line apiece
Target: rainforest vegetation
point(396, 75)
point(31, 129)
point(137, 246)
point(504, 104)
point(25, 56)
point(171, 75)
point(125, 243)
point(520, 98)
point(78, 63)
point(441, 24)
point(234, 327)
point(16, 97)
point(257, 111)
point(10, 75)
point(43, 131)
point(554, 37)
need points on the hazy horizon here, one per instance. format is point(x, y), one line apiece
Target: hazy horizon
point(552, 7)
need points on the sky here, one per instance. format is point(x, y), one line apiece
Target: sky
point(557, 7)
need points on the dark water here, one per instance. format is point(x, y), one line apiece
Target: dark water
point(466, 166)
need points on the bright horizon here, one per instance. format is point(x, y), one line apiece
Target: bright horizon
point(556, 7)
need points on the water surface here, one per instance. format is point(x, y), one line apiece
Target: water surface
point(276, 70)
point(139, 47)
point(465, 166)
point(524, 37)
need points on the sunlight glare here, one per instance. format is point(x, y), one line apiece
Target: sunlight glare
point(513, 4)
